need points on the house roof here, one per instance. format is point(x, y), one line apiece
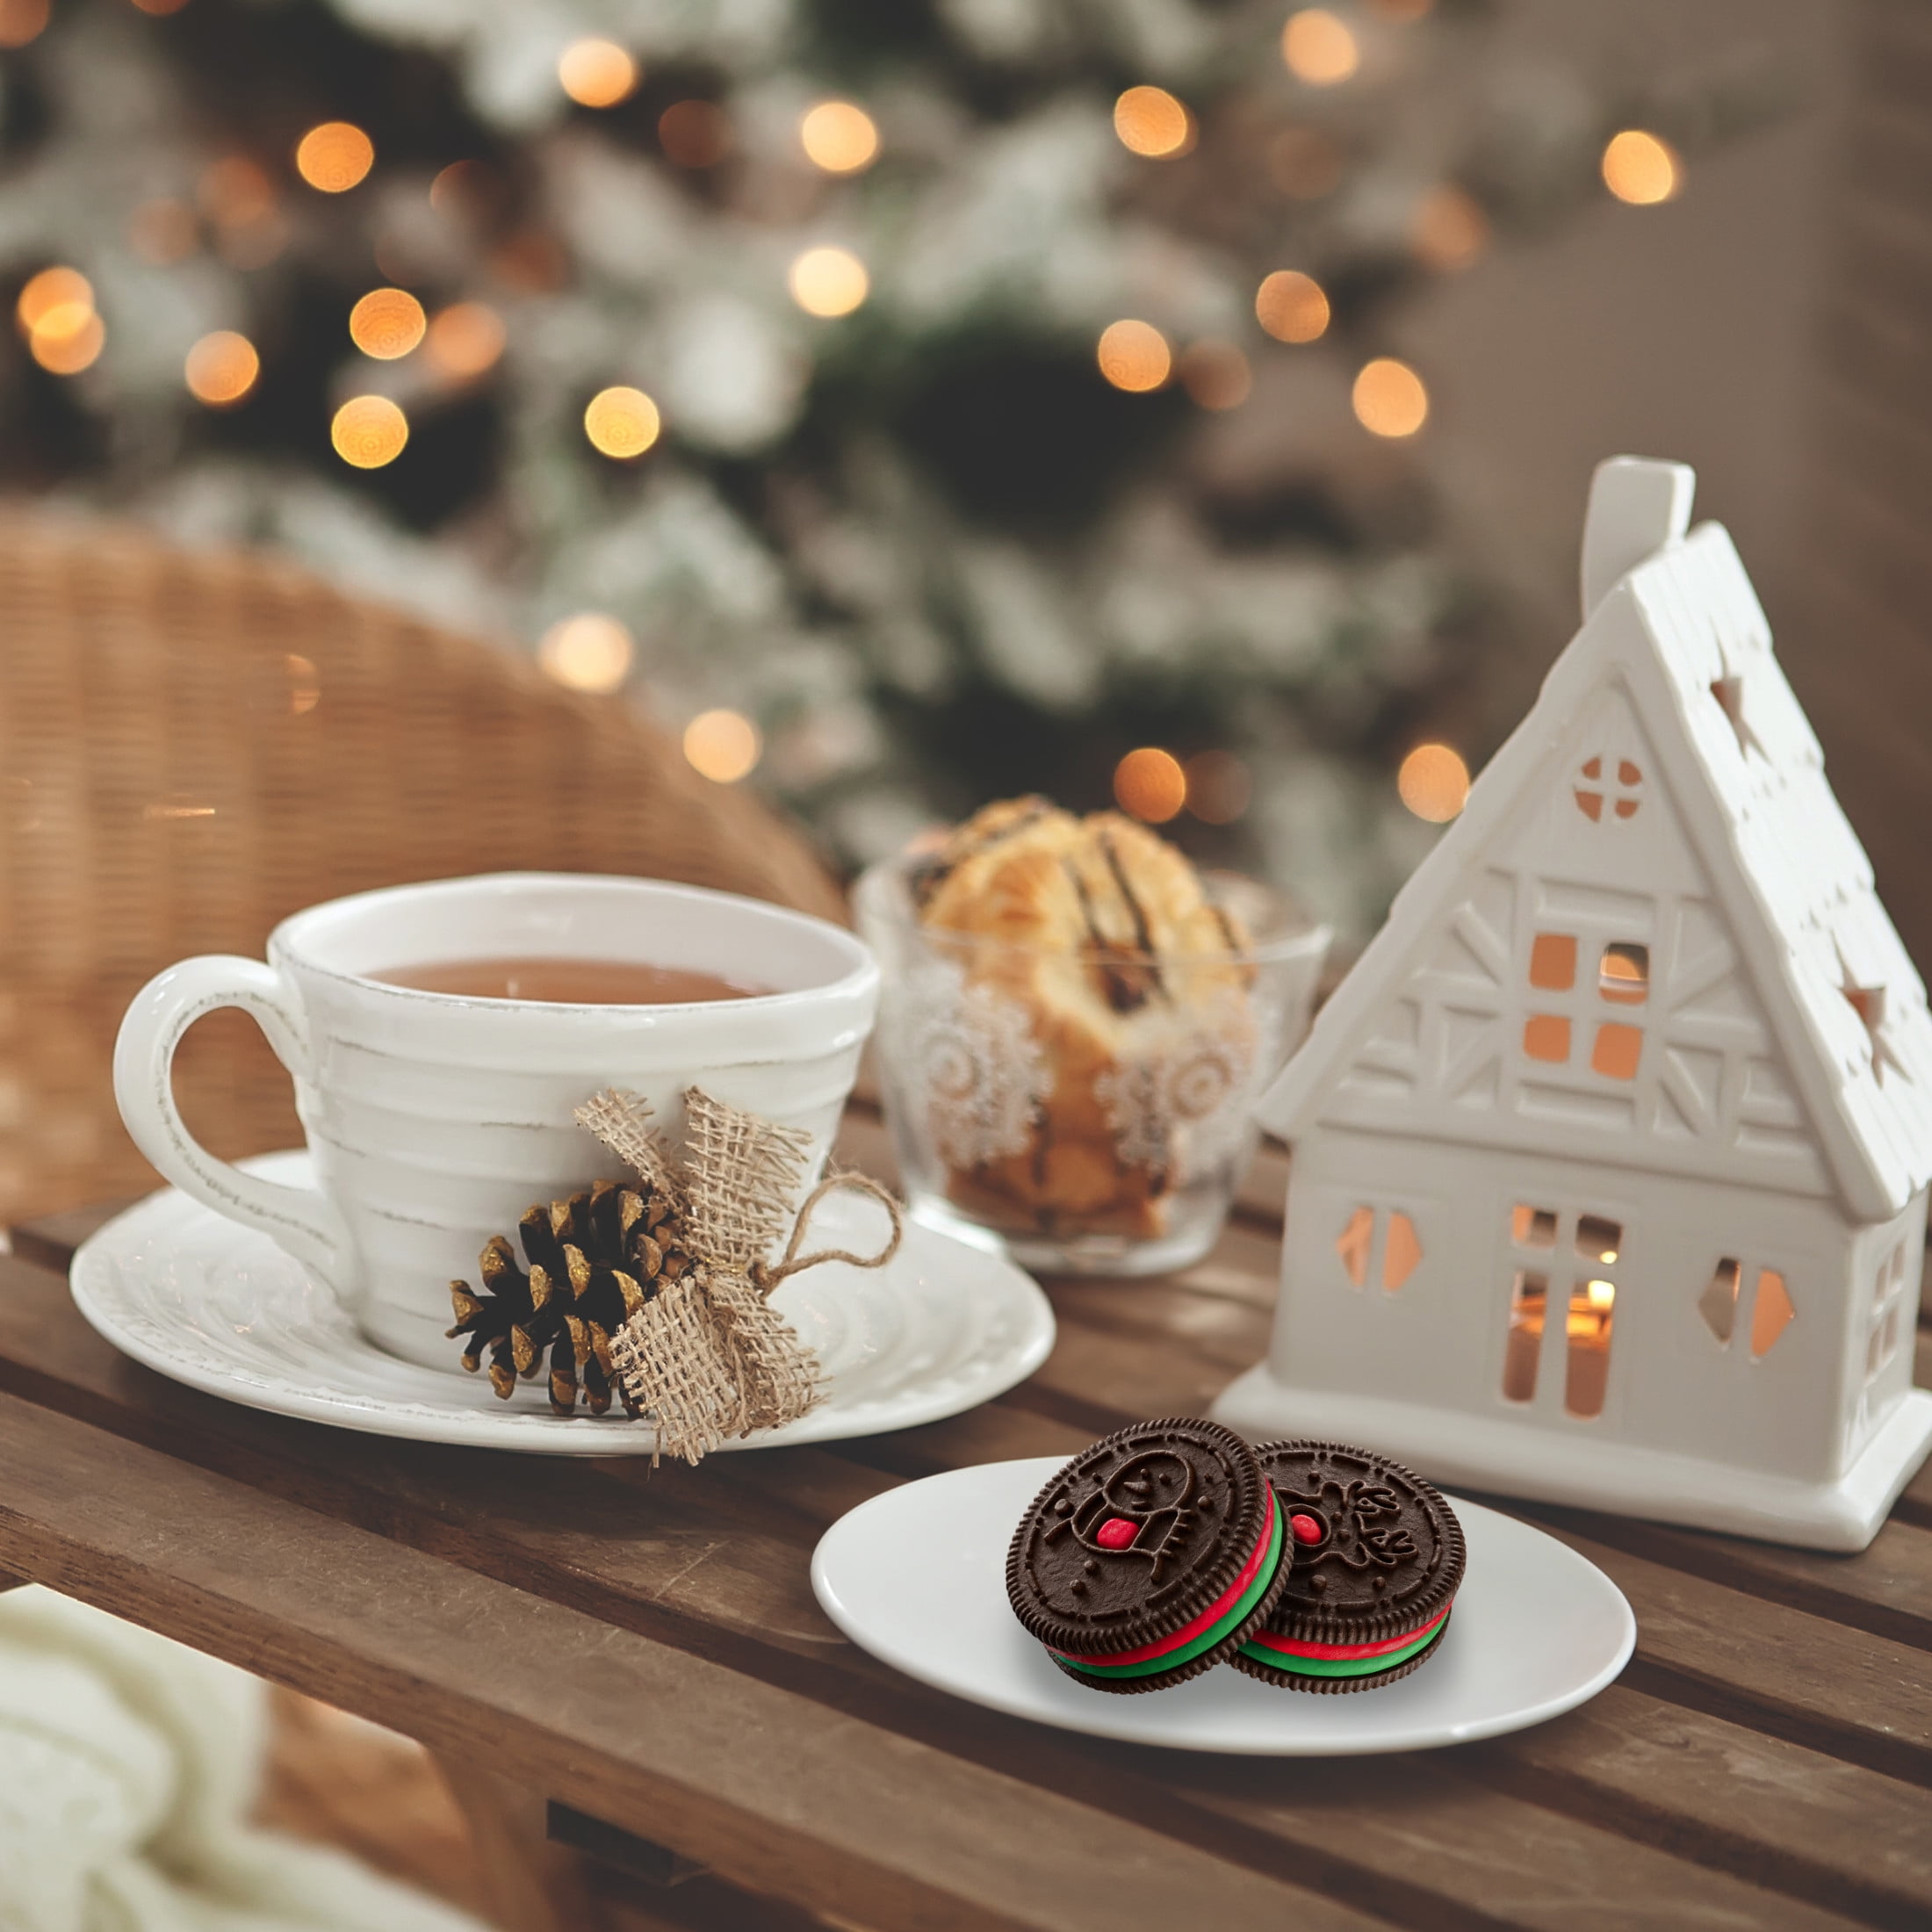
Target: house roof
point(1675, 614)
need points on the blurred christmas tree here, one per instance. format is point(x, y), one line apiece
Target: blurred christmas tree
point(922, 399)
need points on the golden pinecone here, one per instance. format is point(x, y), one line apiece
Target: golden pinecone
point(594, 1260)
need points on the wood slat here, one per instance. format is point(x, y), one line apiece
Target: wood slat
point(759, 1783)
point(1835, 1834)
point(1886, 1589)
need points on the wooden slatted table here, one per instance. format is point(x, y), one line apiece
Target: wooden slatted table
point(636, 1660)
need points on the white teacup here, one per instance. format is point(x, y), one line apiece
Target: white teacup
point(435, 1120)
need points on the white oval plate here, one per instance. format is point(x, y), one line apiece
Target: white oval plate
point(941, 1328)
point(918, 1577)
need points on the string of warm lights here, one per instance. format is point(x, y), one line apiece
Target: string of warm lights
point(838, 137)
point(589, 651)
point(1433, 781)
point(1319, 48)
point(55, 314)
point(1641, 168)
point(722, 745)
point(597, 73)
point(1292, 307)
point(622, 422)
point(335, 158)
point(369, 431)
point(388, 323)
point(1134, 356)
point(247, 217)
point(221, 369)
point(22, 22)
point(1154, 786)
point(828, 282)
point(1151, 121)
point(1390, 399)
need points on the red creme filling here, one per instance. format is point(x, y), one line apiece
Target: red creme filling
point(1342, 1653)
point(1212, 1615)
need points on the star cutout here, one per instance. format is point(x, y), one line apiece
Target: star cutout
point(1868, 1002)
point(1729, 692)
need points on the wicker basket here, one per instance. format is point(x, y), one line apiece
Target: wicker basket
point(194, 746)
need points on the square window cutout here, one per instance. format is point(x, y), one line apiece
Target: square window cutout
point(1547, 1037)
point(1598, 1239)
point(1617, 1050)
point(1532, 1227)
point(1623, 974)
point(1552, 962)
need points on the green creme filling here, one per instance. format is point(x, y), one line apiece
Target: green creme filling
point(1340, 1666)
point(1243, 1609)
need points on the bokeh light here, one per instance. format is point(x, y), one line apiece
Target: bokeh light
point(221, 369)
point(55, 312)
point(22, 21)
point(1433, 782)
point(1292, 307)
point(838, 137)
point(464, 187)
point(1449, 229)
point(1151, 121)
point(622, 422)
point(334, 156)
point(66, 342)
point(161, 8)
point(597, 73)
point(50, 292)
point(369, 431)
point(1641, 168)
point(1319, 48)
point(386, 324)
point(464, 339)
point(1304, 163)
point(1219, 787)
point(161, 232)
point(235, 192)
point(694, 133)
point(1215, 374)
point(590, 652)
point(1134, 356)
point(1149, 784)
point(828, 282)
point(1389, 398)
point(722, 745)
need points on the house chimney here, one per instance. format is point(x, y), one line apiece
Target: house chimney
point(1636, 506)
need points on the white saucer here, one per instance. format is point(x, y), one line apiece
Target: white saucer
point(917, 1576)
point(940, 1328)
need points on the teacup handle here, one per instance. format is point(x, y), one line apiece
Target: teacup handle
point(298, 1219)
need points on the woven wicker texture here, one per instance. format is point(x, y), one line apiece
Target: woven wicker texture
point(194, 746)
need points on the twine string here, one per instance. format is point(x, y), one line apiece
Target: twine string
point(765, 1278)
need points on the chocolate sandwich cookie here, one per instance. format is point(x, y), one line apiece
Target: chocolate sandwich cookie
point(1149, 1555)
point(1378, 1558)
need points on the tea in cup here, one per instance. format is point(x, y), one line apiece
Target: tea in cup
point(440, 1037)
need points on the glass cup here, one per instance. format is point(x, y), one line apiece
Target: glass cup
point(1092, 1111)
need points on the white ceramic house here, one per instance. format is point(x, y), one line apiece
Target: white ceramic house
point(1611, 1155)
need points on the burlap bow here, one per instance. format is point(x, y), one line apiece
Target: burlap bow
point(708, 1357)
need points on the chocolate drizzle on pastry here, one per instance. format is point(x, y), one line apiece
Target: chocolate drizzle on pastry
point(980, 833)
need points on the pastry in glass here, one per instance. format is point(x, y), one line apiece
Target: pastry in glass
point(1076, 1026)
